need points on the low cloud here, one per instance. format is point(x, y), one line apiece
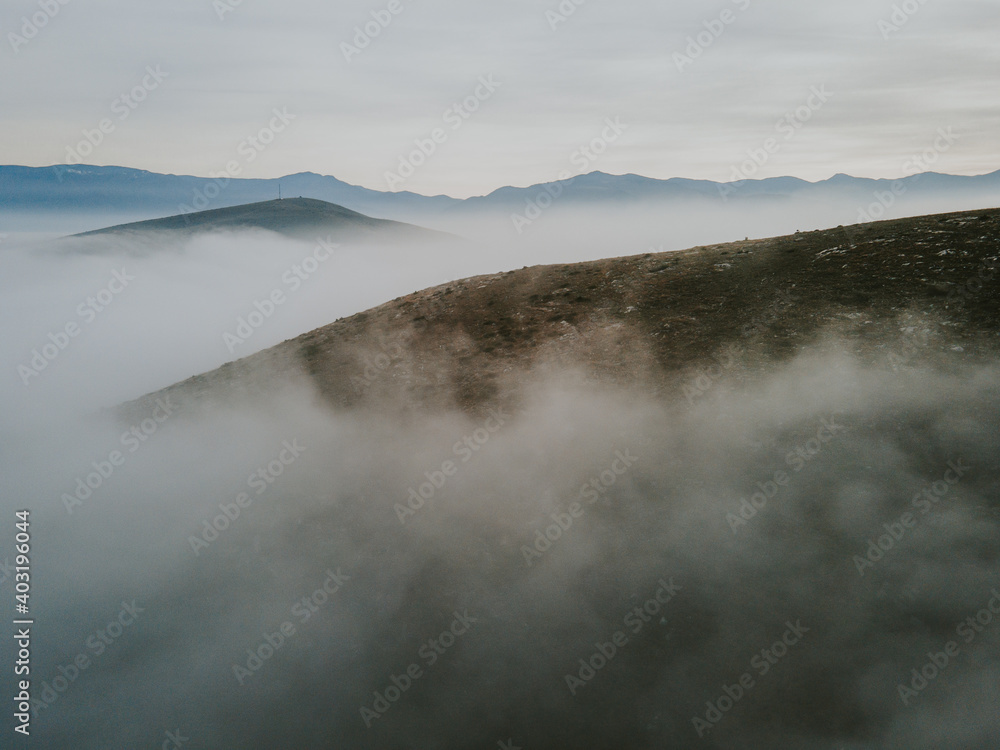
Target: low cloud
point(329, 608)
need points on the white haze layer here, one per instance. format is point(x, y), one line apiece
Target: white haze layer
point(334, 508)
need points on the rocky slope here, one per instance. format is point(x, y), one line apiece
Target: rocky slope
point(895, 293)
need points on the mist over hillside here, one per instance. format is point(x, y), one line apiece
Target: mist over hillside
point(531, 375)
point(739, 496)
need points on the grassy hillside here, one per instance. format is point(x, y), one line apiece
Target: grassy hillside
point(894, 293)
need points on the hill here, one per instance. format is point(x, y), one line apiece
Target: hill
point(302, 218)
point(903, 291)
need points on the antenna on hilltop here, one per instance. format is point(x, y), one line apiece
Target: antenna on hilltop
point(279, 191)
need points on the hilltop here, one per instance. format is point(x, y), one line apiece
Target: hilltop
point(301, 218)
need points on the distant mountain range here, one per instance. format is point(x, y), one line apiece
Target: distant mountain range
point(302, 218)
point(136, 193)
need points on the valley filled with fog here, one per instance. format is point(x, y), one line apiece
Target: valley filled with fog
point(755, 553)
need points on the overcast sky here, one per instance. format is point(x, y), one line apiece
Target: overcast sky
point(229, 64)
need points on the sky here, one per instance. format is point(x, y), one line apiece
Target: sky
point(459, 98)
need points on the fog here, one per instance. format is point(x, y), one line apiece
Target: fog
point(669, 543)
point(571, 231)
point(171, 320)
point(179, 299)
point(671, 477)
